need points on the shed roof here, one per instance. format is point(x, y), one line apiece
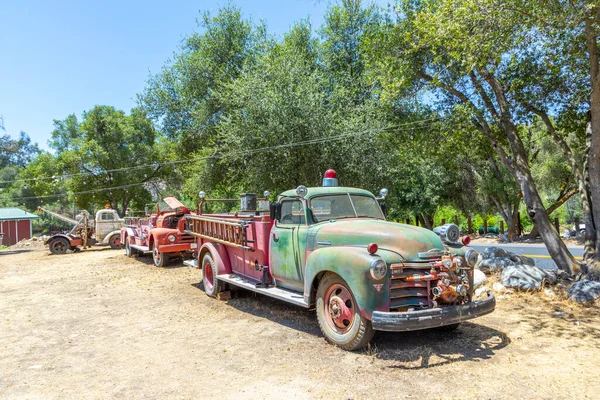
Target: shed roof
point(11, 214)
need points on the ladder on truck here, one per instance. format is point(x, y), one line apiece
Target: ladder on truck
point(230, 232)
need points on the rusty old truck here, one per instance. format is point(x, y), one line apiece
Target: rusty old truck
point(330, 248)
point(158, 234)
point(86, 232)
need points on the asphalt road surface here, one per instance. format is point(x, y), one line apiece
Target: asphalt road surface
point(536, 251)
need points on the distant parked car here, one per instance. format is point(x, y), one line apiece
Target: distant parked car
point(569, 233)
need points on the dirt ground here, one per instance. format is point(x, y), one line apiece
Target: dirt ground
point(97, 324)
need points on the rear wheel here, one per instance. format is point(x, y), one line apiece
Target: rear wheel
point(212, 286)
point(339, 317)
point(160, 259)
point(59, 246)
point(115, 242)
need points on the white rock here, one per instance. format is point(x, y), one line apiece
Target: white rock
point(498, 287)
point(479, 278)
point(480, 291)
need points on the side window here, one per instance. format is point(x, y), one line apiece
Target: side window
point(292, 212)
point(107, 217)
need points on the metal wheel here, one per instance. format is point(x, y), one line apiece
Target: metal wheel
point(339, 316)
point(128, 250)
point(115, 242)
point(160, 259)
point(212, 286)
point(59, 246)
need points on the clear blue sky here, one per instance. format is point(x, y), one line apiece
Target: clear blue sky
point(62, 57)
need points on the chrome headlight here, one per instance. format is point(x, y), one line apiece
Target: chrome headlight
point(378, 269)
point(171, 238)
point(471, 257)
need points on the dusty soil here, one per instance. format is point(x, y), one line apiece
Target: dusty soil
point(96, 324)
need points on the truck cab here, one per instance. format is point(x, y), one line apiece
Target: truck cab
point(331, 248)
point(107, 222)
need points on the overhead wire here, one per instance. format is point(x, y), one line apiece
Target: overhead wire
point(252, 151)
point(222, 156)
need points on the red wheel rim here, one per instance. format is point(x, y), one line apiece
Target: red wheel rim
point(339, 308)
point(208, 276)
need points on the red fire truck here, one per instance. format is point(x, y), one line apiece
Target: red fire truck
point(158, 234)
point(331, 248)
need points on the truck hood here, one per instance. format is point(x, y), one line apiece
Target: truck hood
point(406, 240)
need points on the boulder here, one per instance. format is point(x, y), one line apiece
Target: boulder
point(496, 259)
point(584, 291)
point(492, 252)
point(493, 264)
point(523, 276)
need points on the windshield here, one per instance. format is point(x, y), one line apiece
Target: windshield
point(340, 206)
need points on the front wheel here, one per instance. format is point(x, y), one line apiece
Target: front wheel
point(160, 259)
point(339, 318)
point(115, 242)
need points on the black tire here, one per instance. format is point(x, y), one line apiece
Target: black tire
point(448, 328)
point(129, 252)
point(212, 286)
point(354, 333)
point(59, 246)
point(160, 259)
point(114, 242)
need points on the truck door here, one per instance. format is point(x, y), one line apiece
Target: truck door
point(287, 245)
point(106, 222)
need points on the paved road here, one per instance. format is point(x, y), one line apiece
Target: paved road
point(536, 251)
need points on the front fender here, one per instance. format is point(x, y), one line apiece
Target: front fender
point(127, 232)
point(351, 264)
point(106, 239)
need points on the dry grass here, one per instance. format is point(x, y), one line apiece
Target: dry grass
point(99, 325)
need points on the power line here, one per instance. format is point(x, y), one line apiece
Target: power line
point(253, 151)
point(230, 154)
point(82, 192)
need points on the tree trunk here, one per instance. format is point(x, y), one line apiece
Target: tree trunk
point(594, 154)
point(426, 221)
point(562, 199)
point(589, 252)
point(519, 166)
point(537, 212)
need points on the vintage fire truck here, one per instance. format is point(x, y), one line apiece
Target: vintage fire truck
point(331, 248)
point(158, 234)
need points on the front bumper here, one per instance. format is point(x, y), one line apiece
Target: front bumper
point(176, 248)
point(431, 318)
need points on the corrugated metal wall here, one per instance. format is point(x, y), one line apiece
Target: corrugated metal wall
point(9, 230)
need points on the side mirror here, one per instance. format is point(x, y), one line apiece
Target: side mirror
point(384, 209)
point(275, 211)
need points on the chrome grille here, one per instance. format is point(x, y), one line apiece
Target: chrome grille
point(405, 295)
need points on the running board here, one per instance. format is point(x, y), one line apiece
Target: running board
point(277, 293)
point(191, 263)
point(143, 249)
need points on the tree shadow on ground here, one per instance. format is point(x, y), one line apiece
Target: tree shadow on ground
point(15, 251)
point(408, 350)
point(436, 347)
point(578, 321)
point(274, 310)
point(175, 262)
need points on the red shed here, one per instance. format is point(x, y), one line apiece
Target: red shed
point(15, 225)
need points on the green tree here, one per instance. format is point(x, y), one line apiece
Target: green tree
point(106, 149)
point(465, 54)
